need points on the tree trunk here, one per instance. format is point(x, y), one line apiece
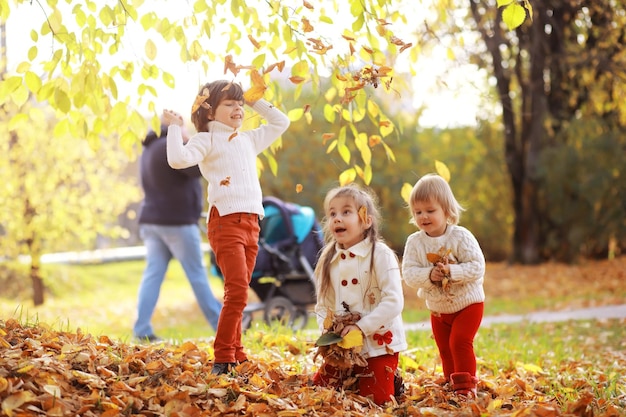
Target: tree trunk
point(38, 286)
point(523, 121)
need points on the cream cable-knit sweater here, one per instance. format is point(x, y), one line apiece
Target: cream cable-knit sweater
point(466, 274)
point(227, 159)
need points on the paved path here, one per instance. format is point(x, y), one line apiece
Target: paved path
point(604, 312)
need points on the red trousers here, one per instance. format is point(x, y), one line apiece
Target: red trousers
point(234, 240)
point(454, 334)
point(376, 380)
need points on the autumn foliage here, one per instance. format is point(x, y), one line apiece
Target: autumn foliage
point(59, 373)
point(46, 372)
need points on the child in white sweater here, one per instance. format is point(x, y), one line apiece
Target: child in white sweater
point(446, 264)
point(227, 159)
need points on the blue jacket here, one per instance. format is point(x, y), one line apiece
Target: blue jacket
point(171, 196)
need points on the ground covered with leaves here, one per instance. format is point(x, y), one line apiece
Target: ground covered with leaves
point(551, 370)
point(52, 373)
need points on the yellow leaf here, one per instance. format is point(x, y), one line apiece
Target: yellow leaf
point(16, 400)
point(513, 15)
point(352, 339)
point(254, 94)
point(405, 192)
point(258, 88)
point(530, 367)
point(328, 322)
point(442, 170)
point(151, 49)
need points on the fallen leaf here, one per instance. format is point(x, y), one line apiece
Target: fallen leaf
point(328, 339)
point(351, 339)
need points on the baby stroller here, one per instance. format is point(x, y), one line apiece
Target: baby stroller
point(289, 243)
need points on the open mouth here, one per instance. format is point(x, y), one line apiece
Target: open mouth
point(340, 230)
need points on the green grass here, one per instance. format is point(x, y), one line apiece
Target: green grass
point(101, 299)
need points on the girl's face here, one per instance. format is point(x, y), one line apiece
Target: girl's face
point(230, 112)
point(430, 217)
point(344, 222)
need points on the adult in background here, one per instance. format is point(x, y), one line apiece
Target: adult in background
point(168, 225)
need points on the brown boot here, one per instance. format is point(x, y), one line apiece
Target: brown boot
point(464, 384)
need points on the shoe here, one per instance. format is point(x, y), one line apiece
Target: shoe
point(151, 338)
point(464, 384)
point(398, 384)
point(221, 368)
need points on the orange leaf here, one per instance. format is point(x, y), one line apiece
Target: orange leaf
point(433, 257)
point(298, 188)
point(405, 46)
point(296, 80)
point(374, 140)
point(363, 214)
point(256, 44)
point(280, 65)
point(225, 182)
point(229, 65)
point(307, 27)
point(231, 137)
point(326, 137)
point(356, 87)
point(307, 5)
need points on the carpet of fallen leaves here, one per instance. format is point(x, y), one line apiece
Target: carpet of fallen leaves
point(56, 373)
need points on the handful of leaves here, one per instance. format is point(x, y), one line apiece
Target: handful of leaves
point(441, 257)
point(341, 352)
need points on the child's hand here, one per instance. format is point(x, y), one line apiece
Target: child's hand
point(348, 328)
point(439, 272)
point(170, 117)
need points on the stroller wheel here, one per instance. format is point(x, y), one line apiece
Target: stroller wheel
point(300, 319)
point(246, 321)
point(279, 309)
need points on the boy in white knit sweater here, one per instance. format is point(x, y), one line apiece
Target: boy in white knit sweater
point(446, 264)
point(227, 159)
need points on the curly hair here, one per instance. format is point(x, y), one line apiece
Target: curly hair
point(218, 91)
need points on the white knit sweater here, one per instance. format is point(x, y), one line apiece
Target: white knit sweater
point(227, 159)
point(466, 274)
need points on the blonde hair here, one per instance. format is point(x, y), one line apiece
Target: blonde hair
point(434, 187)
point(361, 198)
point(218, 91)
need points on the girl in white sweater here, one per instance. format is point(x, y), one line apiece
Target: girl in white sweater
point(227, 157)
point(446, 264)
point(358, 273)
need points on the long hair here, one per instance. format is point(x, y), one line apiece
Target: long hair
point(218, 91)
point(361, 198)
point(434, 187)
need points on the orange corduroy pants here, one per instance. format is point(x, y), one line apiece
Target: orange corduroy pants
point(234, 241)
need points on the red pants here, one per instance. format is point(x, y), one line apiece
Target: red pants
point(377, 382)
point(234, 240)
point(454, 334)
